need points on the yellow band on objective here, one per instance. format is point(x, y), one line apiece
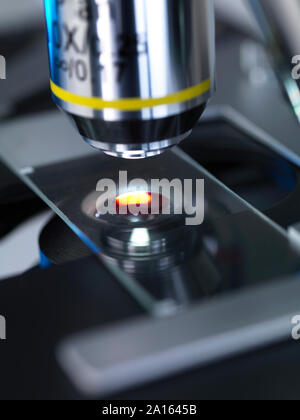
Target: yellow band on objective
point(131, 104)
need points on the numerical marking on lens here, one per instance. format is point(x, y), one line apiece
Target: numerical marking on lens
point(74, 68)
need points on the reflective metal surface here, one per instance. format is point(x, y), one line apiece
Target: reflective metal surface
point(165, 264)
point(114, 63)
point(137, 151)
point(147, 350)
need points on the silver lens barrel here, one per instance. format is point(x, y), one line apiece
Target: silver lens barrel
point(134, 74)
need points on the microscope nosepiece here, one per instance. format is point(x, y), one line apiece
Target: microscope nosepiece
point(135, 76)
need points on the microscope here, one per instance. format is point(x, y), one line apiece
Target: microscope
point(134, 75)
point(146, 305)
